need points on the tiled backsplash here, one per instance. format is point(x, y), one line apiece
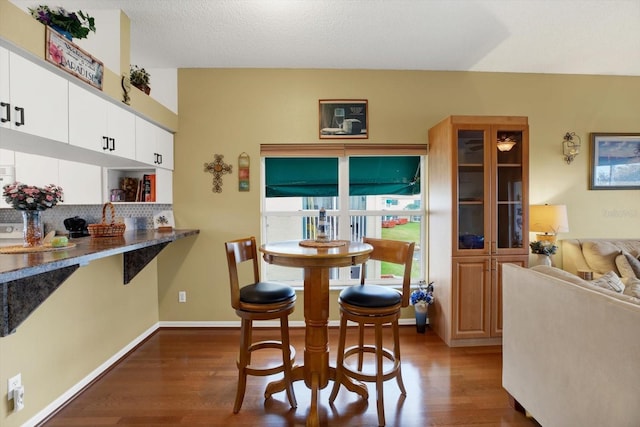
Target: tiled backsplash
point(53, 218)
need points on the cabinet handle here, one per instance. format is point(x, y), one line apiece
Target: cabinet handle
point(105, 143)
point(113, 144)
point(159, 158)
point(21, 111)
point(7, 108)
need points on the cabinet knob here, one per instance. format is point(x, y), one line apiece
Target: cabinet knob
point(7, 109)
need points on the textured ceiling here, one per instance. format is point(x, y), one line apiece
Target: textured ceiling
point(539, 36)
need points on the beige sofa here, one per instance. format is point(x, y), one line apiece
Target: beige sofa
point(596, 255)
point(570, 349)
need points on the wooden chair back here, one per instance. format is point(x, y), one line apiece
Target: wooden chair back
point(394, 251)
point(239, 251)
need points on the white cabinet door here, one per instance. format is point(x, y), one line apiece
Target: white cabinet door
point(165, 148)
point(87, 120)
point(154, 145)
point(121, 131)
point(164, 186)
point(99, 125)
point(31, 111)
point(5, 104)
point(32, 169)
point(81, 183)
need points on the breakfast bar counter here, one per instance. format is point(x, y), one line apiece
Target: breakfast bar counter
point(27, 279)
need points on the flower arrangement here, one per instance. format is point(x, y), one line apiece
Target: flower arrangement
point(139, 77)
point(422, 295)
point(25, 197)
point(543, 248)
point(77, 24)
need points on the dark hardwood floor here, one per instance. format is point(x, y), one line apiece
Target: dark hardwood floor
point(187, 377)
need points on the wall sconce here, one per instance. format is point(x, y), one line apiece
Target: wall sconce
point(505, 143)
point(570, 146)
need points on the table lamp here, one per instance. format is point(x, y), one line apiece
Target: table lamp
point(548, 221)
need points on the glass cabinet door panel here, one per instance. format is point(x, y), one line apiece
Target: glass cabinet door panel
point(470, 184)
point(510, 233)
point(471, 226)
point(509, 184)
point(513, 155)
point(470, 147)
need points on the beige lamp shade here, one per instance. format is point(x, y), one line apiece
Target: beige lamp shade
point(548, 219)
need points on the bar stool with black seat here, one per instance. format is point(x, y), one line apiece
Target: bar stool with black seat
point(259, 301)
point(376, 305)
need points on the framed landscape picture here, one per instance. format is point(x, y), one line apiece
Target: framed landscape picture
point(343, 119)
point(615, 161)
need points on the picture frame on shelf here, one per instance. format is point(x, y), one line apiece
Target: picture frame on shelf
point(614, 161)
point(343, 119)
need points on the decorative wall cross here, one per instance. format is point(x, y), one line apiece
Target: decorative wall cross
point(217, 168)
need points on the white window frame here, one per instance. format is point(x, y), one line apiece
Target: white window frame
point(343, 212)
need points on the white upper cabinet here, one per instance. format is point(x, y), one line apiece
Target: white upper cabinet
point(154, 145)
point(5, 105)
point(99, 125)
point(33, 100)
point(81, 183)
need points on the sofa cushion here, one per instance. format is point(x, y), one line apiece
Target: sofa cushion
point(610, 281)
point(601, 256)
point(559, 274)
point(633, 263)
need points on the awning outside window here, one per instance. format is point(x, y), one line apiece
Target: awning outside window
point(399, 175)
point(375, 175)
point(301, 176)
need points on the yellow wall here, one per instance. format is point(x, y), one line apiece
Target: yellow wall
point(80, 326)
point(230, 111)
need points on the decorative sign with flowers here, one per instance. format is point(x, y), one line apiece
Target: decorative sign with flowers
point(61, 27)
point(72, 59)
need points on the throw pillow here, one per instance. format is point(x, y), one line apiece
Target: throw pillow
point(609, 281)
point(633, 262)
point(600, 255)
point(626, 272)
point(632, 288)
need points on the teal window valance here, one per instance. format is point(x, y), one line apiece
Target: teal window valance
point(318, 176)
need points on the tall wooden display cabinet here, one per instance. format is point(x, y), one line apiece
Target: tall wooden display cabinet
point(478, 220)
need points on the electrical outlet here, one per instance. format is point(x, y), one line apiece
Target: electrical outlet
point(182, 296)
point(12, 384)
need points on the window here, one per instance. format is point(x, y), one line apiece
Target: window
point(367, 190)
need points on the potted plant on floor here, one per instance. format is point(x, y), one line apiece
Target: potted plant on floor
point(140, 78)
point(420, 299)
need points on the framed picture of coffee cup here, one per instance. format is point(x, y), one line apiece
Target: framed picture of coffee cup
point(344, 119)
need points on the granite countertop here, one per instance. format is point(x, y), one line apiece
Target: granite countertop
point(20, 266)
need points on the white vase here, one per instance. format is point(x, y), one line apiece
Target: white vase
point(543, 260)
